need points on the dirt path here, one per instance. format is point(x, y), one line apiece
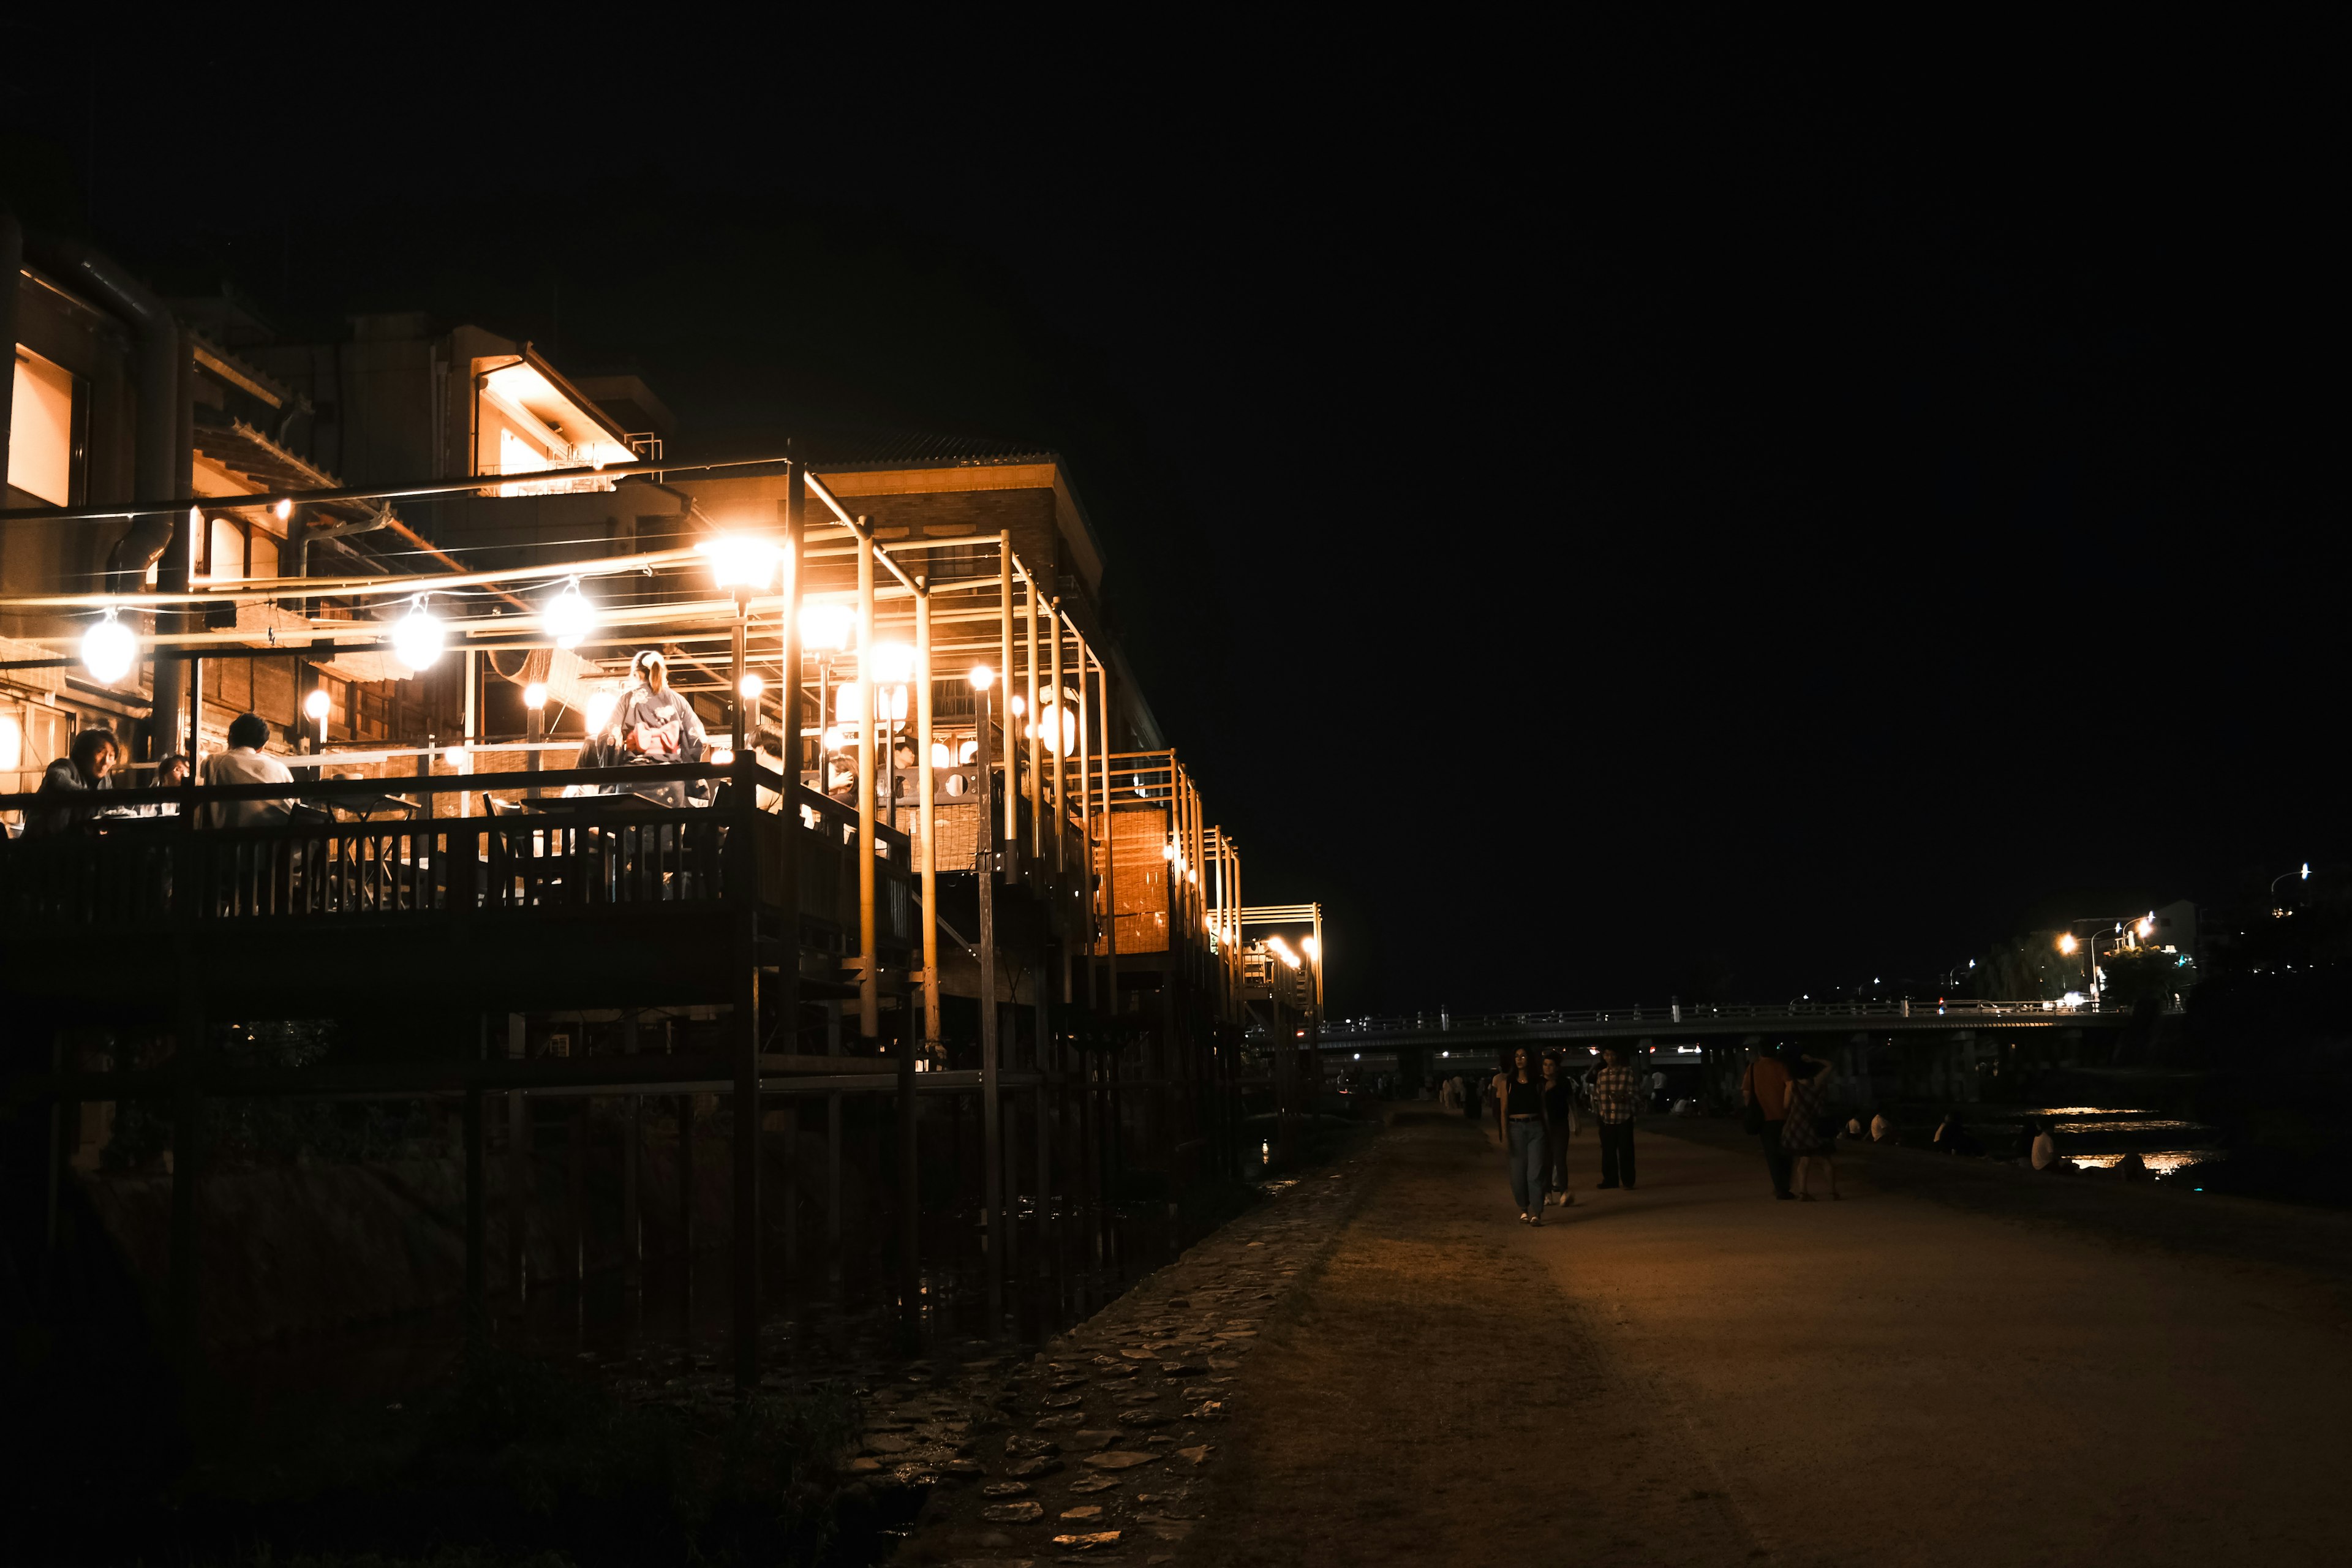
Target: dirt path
point(1689, 1373)
point(1695, 1374)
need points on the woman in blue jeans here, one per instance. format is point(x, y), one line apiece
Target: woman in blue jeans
point(1519, 1107)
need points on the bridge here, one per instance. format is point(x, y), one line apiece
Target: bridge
point(1685, 1022)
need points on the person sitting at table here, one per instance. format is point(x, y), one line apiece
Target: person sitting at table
point(657, 725)
point(245, 763)
point(169, 773)
point(82, 770)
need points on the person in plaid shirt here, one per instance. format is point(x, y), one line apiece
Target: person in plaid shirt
point(1616, 1096)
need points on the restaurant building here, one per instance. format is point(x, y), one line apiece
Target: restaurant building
point(879, 889)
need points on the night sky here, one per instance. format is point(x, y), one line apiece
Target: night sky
point(1705, 520)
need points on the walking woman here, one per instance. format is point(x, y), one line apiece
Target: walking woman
point(1803, 1138)
point(1560, 1121)
point(1520, 1108)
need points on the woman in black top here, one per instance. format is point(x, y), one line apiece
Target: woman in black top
point(1519, 1107)
point(1559, 1120)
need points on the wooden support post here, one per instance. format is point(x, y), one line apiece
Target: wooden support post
point(575, 1182)
point(517, 1178)
point(926, 816)
point(685, 1213)
point(791, 1200)
point(1086, 821)
point(632, 1224)
point(476, 1215)
point(744, 1045)
point(832, 1146)
point(1111, 852)
point(991, 1155)
point(188, 1151)
point(633, 1231)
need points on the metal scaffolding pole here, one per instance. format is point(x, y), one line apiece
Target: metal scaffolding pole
point(991, 1157)
point(1061, 748)
point(1004, 676)
point(1036, 769)
point(870, 1022)
point(925, 813)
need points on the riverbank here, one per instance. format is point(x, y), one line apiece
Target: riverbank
point(1954, 1365)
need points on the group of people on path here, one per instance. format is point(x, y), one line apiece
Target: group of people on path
point(1537, 1112)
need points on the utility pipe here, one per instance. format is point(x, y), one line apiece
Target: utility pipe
point(177, 508)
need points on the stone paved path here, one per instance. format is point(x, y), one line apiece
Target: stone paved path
point(1107, 1438)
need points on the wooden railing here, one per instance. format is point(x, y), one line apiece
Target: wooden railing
point(135, 872)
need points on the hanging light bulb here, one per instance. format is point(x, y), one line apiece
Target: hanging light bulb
point(753, 687)
point(568, 617)
point(825, 627)
point(109, 650)
point(282, 510)
point(417, 641)
point(893, 664)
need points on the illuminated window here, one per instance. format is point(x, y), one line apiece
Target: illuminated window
point(517, 455)
point(41, 456)
point(227, 557)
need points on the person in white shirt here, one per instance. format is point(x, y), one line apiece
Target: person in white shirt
point(246, 763)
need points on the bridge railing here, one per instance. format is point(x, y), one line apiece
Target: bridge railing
point(1762, 1015)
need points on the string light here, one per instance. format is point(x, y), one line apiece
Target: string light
point(109, 650)
point(417, 640)
point(570, 618)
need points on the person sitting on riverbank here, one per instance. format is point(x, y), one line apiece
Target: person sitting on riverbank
point(1951, 1138)
point(1881, 1130)
point(2042, 1150)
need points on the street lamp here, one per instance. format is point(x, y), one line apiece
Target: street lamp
point(827, 629)
point(317, 705)
point(741, 563)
